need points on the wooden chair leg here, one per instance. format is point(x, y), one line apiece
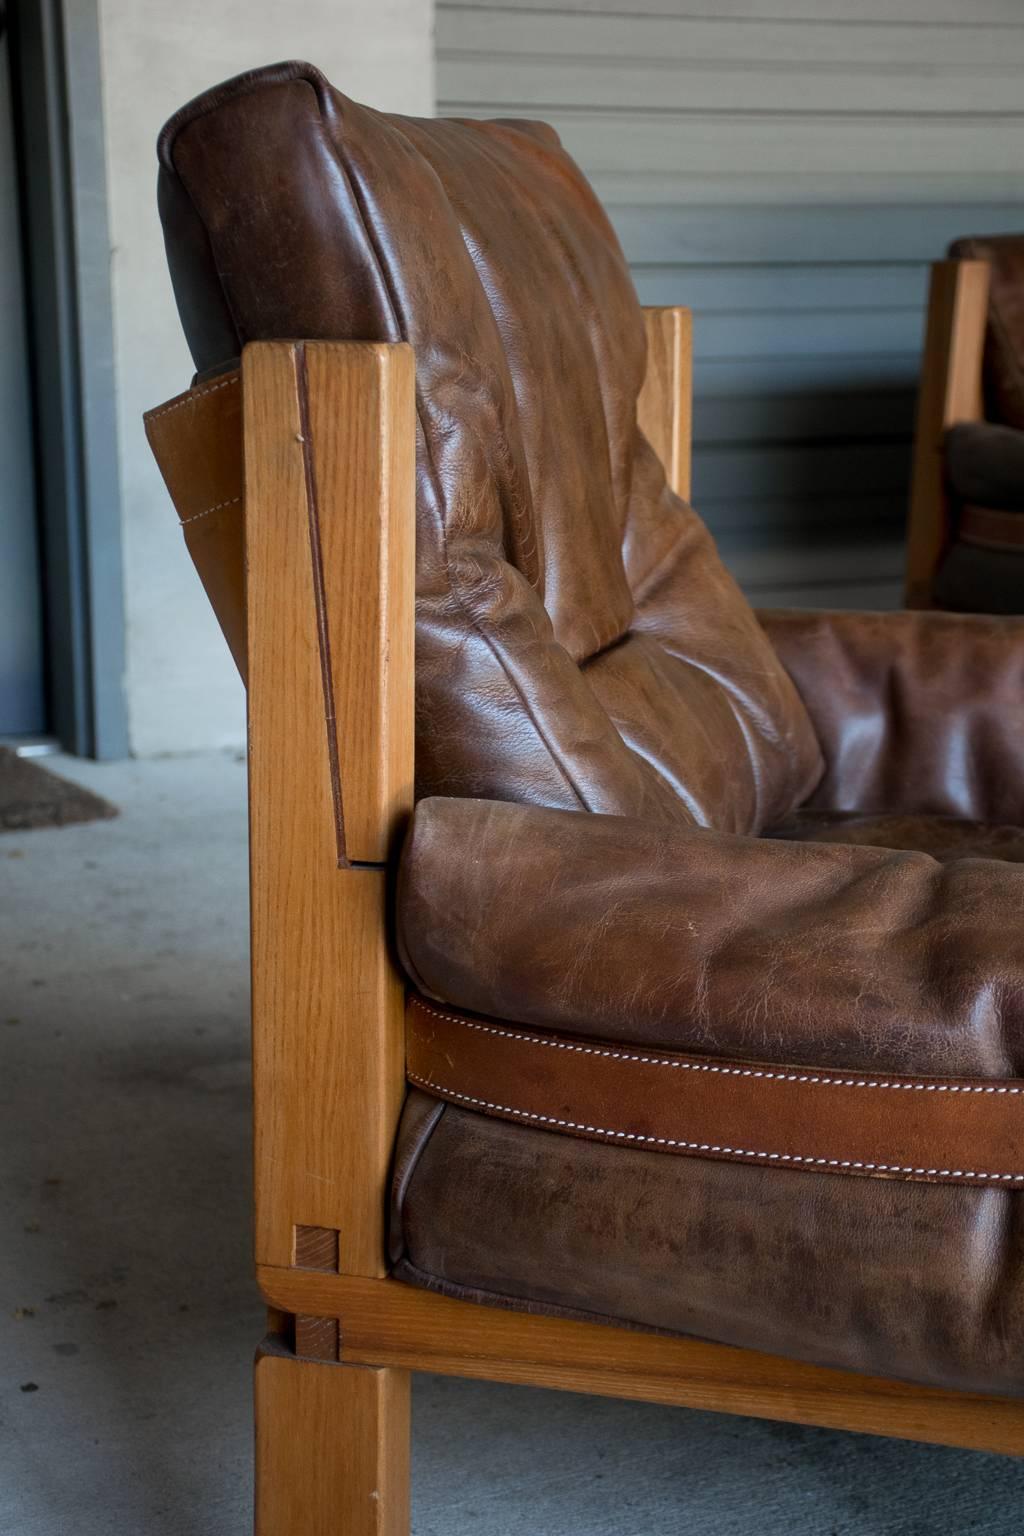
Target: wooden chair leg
point(332, 1448)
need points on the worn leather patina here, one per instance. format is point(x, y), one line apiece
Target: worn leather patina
point(825, 954)
point(921, 1281)
point(755, 886)
point(916, 713)
point(579, 642)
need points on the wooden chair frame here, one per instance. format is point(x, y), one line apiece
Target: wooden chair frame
point(950, 392)
point(329, 448)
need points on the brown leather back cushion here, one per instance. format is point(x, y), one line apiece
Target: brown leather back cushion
point(579, 643)
point(1004, 339)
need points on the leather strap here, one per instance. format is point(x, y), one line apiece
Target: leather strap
point(937, 1130)
point(991, 528)
point(196, 439)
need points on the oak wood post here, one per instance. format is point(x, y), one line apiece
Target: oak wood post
point(329, 557)
point(665, 407)
point(950, 391)
point(329, 446)
point(332, 1448)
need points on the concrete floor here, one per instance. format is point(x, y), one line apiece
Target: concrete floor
point(127, 1312)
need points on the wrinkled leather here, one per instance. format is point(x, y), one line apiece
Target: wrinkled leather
point(916, 713)
point(826, 955)
point(580, 647)
point(1003, 365)
point(923, 1281)
point(944, 838)
point(579, 643)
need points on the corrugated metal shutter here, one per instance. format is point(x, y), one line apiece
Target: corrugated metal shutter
point(788, 168)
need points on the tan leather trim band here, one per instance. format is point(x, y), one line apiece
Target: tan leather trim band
point(196, 439)
point(880, 1125)
point(991, 528)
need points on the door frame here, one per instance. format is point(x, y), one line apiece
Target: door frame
point(57, 92)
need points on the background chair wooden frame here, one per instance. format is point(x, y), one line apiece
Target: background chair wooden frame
point(329, 451)
point(950, 391)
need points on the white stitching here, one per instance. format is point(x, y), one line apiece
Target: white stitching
point(193, 394)
point(231, 501)
point(697, 1066)
point(705, 1146)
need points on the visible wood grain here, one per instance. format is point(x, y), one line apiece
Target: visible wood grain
point(332, 1448)
point(316, 1338)
point(328, 1042)
point(950, 391)
point(361, 416)
point(386, 1323)
point(316, 1248)
point(665, 407)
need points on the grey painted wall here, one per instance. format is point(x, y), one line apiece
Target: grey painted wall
point(183, 691)
point(788, 168)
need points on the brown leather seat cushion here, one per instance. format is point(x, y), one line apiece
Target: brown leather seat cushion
point(922, 1281)
point(944, 837)
point(822, 956)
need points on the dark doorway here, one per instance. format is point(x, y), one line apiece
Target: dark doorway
point(22, 659)
point(61, 599)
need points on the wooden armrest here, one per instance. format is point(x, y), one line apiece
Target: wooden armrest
point(294, 483)
point(665, 408)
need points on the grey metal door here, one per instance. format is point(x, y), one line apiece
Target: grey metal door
point(22, 668)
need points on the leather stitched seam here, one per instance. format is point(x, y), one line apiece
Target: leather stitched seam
point(193, 394)
point(706, 1146)
point(219, 507)
point(695, 1066)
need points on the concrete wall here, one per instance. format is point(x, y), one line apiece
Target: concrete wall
point(183, 692)
point(788, 168)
